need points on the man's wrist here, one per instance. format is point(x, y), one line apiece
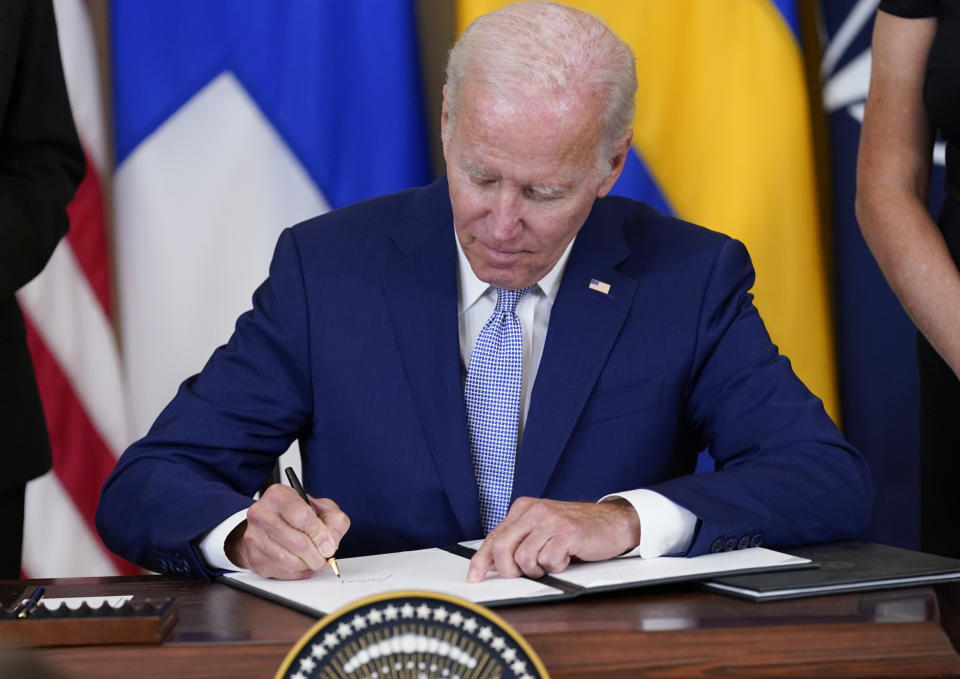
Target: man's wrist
point(233, 545)
point(213, 545)
point(667, 527)
point(628, 522)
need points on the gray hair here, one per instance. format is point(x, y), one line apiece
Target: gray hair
point(535, 48)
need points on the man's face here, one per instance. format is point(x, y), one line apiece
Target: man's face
point(523, 179)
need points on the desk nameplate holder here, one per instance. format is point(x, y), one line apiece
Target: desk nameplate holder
point(144, 622)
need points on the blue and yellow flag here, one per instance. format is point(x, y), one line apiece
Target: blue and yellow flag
point(723, 138)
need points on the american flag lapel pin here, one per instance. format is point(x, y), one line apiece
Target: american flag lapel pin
point(599, 286)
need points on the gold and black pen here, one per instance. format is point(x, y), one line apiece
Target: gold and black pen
point(295, 484)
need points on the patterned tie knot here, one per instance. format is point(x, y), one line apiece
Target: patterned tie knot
point(507, 299)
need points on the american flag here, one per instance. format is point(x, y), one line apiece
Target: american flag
point(72, 341)
point(217, 148)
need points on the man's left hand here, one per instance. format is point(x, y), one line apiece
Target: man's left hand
point(541, 536)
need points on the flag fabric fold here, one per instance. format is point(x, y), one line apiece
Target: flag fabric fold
point(234, 121)
point(68, 311)
point(231, 123)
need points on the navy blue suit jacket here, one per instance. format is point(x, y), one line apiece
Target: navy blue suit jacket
point(352, 346)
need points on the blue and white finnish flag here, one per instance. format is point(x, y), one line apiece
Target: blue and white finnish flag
point(233, 121)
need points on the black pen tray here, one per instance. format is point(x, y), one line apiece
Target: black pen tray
point(145, 622)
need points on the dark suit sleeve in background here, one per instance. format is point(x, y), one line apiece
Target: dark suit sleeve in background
point(41, 164)
point(41, 161)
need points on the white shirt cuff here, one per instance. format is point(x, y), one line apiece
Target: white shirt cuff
point(212, 545)
point(665, 526)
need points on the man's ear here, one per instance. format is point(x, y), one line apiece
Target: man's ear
point(616, 163)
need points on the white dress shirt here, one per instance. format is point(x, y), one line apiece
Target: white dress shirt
point(666, 528)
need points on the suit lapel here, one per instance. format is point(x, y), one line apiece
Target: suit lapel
point(584, 325)
point(421, 294)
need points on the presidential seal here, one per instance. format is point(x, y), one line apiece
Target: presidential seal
point(412, 635)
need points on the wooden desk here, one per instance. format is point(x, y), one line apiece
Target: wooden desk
point(661, 632)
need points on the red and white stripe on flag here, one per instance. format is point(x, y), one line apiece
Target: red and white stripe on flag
point(73, 345)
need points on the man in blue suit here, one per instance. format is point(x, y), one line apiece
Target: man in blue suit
point(425, 403)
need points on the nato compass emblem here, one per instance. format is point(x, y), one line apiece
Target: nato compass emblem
point(846, 76)
point(412, 635)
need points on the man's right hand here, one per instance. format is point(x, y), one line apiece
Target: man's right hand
point(283, 538)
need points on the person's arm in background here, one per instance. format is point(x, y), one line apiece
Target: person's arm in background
point(41, 160)
point(893, 177)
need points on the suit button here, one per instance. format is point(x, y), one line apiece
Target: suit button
point(717, 545)
point(744, 542)
point(756, 540)
point(731, 544)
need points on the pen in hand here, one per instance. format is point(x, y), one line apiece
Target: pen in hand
point(295, 484)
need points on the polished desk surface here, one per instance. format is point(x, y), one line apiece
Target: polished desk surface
point(657, 632)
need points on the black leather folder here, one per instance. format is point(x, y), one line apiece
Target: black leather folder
point(842, 567)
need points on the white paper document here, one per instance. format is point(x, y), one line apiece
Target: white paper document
point(617, 572)
point(425, 569)
point(437, 570)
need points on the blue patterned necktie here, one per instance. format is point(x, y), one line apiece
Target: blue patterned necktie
point(492, 393)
